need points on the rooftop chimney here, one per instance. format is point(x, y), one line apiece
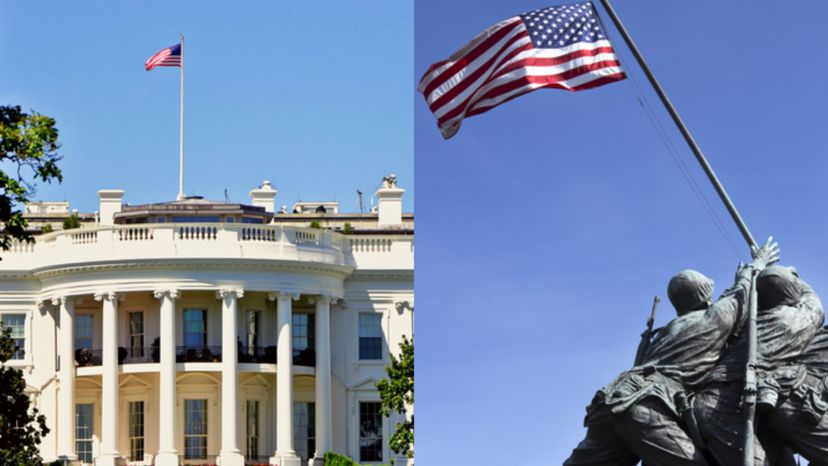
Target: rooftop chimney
point(389, 200)
point(264, 196)
point(110, 204)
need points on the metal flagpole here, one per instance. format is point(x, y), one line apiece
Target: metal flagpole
point(684, 131)
point(749, 394)
point(750, 389)
point(181, 129)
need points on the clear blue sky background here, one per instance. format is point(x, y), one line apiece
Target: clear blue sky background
point(314, 97)
point(546, 226)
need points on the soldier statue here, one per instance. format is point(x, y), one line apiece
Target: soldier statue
point(644, 414)
point(789, 315)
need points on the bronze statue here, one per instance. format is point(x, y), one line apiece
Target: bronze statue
point(644, 414)
point(789, 315)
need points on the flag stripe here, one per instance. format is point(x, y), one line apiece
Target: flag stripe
point(552, 74)
point(563, 47)
point(472, 49)
point(524, 58)
point(478, 55)
point(467, 84)
point(170, 56)
point(572, 80)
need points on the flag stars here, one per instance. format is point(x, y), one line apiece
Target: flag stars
point(564, 25)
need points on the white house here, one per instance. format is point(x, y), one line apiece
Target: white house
point(197, 332)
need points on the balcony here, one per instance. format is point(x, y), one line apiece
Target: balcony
point(85, 357)
point(267, 355)
point(198, 354)
point(145, 242)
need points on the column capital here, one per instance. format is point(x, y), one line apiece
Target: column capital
point(294, 295)
point(160, 294)
point(108, 296)
point(63, 300)
point(225, 293)
point(326, 299)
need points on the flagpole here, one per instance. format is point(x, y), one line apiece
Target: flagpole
point(708, 170)
point(181, 129)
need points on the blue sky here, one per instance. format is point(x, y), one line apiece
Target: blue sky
point(546, 226)
point(314, 97)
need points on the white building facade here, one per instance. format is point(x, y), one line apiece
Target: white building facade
point(193, 332)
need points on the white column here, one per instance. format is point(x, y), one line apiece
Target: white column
point(229, 454)
point(323, 378)
point(66, 375)
point(285, 454)
point(109, 397)
point(167, 454)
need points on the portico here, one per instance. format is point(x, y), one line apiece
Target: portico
point(171, 359)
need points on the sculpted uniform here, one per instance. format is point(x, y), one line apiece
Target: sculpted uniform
point(635, 416)
point(799, 419)
point(789, 315)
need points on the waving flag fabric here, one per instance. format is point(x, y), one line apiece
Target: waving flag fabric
point(170, 56)
point(562, 47)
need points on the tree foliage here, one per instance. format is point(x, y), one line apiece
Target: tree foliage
point(72, 221)
point(28, 149)
point(21, 429)
point(397, 393)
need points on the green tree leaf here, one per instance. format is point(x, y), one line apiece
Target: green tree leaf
point(28, 149)
point(397, 393)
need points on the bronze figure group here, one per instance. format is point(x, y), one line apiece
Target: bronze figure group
point(684, 401)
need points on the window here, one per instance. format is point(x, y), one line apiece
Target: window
point(195, 429)
point(302, 329)
point(370, 336)
point(136, 334)
point(136, 431)
point(370, 431)
point(195, 328)
point(252, 330)
point(17, 324)
point(252, 429)
point(304, 429)
point(83, 431)
point(83, 331)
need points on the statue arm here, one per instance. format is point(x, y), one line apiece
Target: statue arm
point(730, 310)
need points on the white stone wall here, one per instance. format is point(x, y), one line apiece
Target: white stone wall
point(369, 274)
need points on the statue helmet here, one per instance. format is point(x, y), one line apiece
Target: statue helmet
point(689, 290)
point(778, 285)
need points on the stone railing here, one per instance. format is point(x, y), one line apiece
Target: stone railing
point(183, 240)
point(377, 252)
point(165, 241)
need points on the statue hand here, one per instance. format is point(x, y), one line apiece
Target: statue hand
point(766, 255)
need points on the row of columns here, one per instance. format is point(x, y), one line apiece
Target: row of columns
point(229, 455)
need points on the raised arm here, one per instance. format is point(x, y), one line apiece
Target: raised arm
point(729, 309)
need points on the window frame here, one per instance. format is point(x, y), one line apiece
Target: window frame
point(309, 336)
point(132, 350)
point(254, 337)
point(26, 359)
point(91, 439)
point(310, 433)
point(380, 430)
point(252, 449)
point(205, 435)
point(78, 317)
point(130, 429)
point(205, 333)
point(382, 352)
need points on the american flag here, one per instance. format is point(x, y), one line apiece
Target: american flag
point(170, 56)
point(562, 47)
